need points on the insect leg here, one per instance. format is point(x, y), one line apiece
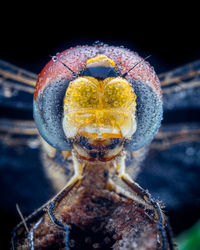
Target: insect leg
point(148, 199)
point(52, 208)
point(31, 235)
point(55, 201)
point(78, 168)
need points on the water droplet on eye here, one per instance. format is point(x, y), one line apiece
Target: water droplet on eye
point(54, 58)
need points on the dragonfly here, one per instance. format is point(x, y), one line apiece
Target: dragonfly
point(90, 211)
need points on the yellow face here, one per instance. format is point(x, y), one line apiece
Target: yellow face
point(99, 109)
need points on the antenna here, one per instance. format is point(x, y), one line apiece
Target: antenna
point(55, 58)
point(125, 74)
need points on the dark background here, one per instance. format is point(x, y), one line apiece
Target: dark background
point(29, 34)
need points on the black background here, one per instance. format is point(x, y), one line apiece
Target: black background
point(29, 34)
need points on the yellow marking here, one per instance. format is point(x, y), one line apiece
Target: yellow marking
point(101, 59)
point(118, 93)
point(99, 105)
point(82, 93)
point(88, 92)
point(105, 123)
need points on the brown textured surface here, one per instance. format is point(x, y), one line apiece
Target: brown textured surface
point(98, 219)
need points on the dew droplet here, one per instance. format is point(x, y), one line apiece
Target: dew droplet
point(54, 58)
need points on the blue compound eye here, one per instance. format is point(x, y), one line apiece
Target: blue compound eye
point(149, 114)
point(98, 114)
point(48, 113)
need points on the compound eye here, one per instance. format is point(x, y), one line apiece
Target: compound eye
point(48, 113)
point(82, 93)
point(118, 94)
point(98, 101)
point(148, 114)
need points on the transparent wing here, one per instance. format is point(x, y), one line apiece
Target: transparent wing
point(16, 87)
point(181, 87)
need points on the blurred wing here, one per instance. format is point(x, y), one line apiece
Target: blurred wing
point(18, 132)
point(16, 87)
point(181, 87)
